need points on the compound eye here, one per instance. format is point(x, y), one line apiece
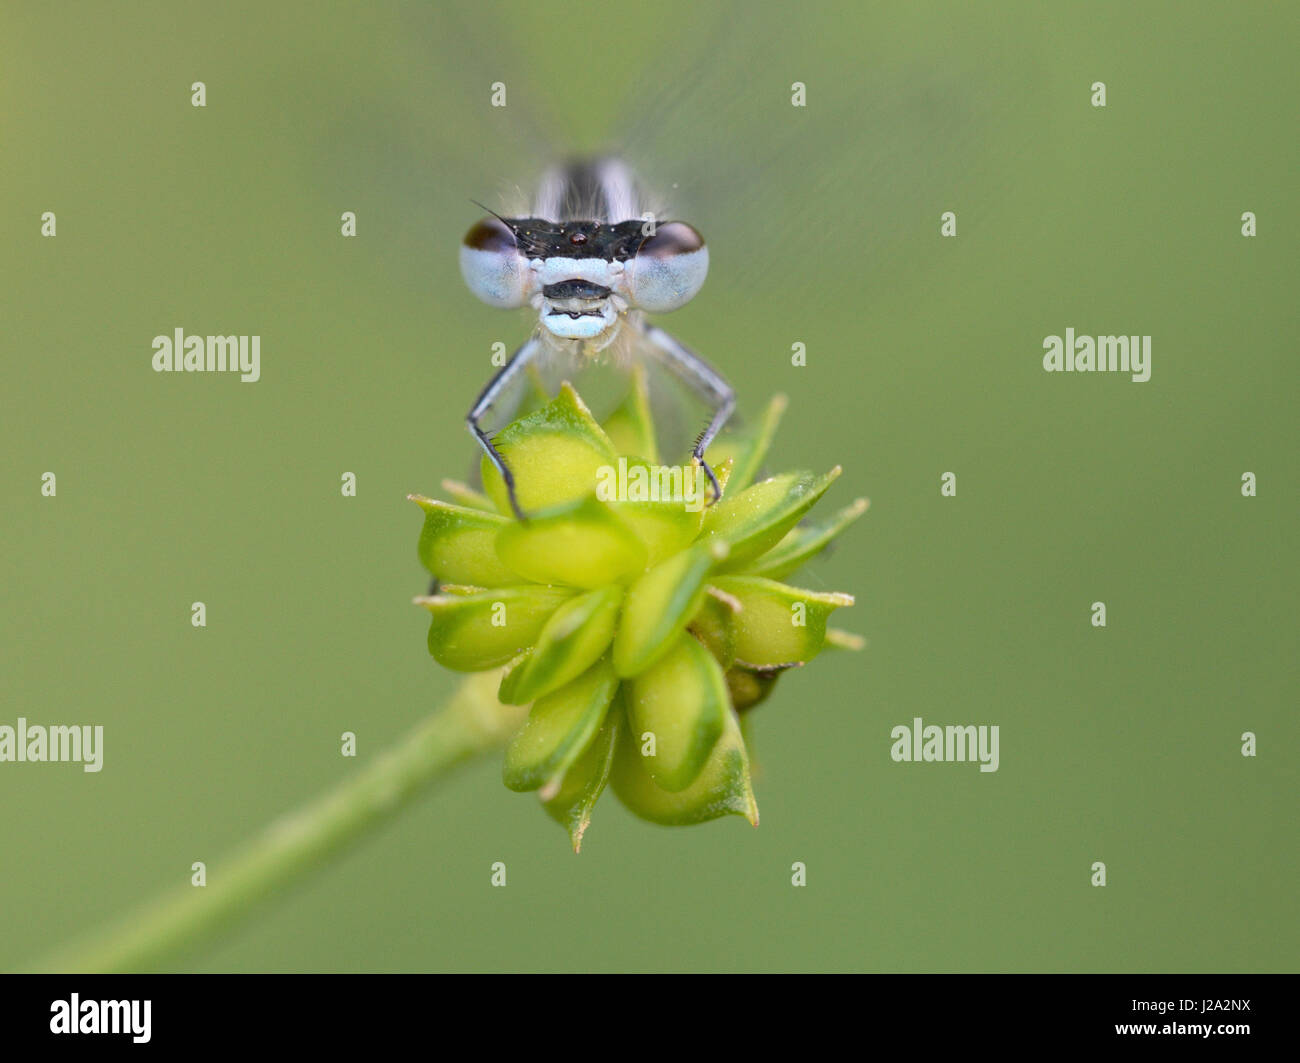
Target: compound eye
point(490, 234)
point(492, 265)
point(669, 268)
point(671, 239)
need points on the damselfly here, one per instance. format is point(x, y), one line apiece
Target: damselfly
point(592, 263)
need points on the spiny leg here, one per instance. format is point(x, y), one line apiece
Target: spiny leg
point(496, 386)
point(706, 382)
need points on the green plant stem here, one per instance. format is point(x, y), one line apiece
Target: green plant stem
point(472, 722)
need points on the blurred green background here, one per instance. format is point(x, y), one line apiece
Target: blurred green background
point(924, 356)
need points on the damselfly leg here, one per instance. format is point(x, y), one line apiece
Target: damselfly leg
point(705, 382)
point(497, 386)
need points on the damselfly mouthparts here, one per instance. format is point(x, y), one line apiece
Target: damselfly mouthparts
point(591, 263)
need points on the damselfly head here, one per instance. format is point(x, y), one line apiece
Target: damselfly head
point(582, 276)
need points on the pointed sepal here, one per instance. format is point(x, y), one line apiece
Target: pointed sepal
point(475, 628)
point(553, 453)
point(722, 788)
point(802, 543)
point(574, 637)
point(570, 800)
point(558, 730)
point(778, 624)
point(660, 604)
point(757, 518)
point(457, 544)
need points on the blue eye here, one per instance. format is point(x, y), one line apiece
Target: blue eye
point(492, 265)
point(668, 268)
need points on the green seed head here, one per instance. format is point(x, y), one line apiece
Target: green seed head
point(636, 622)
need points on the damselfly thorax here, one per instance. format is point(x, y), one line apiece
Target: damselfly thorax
point(592, 263)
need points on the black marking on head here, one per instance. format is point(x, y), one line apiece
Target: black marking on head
point(575, 289)
point(539, 238)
